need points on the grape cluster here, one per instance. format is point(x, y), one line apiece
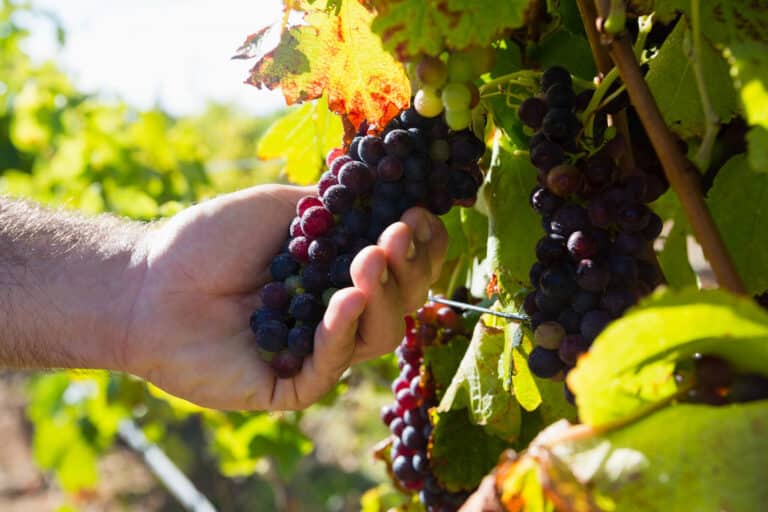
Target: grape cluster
point(408, 418)
point(596, 257)
point(417, 161)
point(714, 382)
point(448, 86)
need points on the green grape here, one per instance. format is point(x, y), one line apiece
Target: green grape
point(458, 119)
point(456, 96)
point(460, 67)
point(427, 102)
point(432, 72)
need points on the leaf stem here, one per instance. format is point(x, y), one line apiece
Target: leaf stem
point(704, 154)
point(685, 181)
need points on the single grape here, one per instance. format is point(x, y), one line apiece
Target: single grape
point(532, 112)
point(337, 164)
point(398, 143)
point(371, 149)
point(327, 180)
point(315, 222)
point(549, 335)
point(581, 245)
point(439, 201)
point(629, 243)
point(549, 305)
point(592, 275)
point(581, 101)
point(582, 301)
point(299, 249)
point(550, 251)
point(274, 296)
point(432, 72)
point(271, 335)
point(420, 463)
point(305, 308)
point(427, 102)
point(572, 347)
point(544, 202)
point(357, 177)
point(262, 315)
point(458, 119)
point(333, 155)
point(712, 371)
point(559, 96)
point(322, 250)
point(569, 218)
point(617, 300)
point(555, 75)
point(402, 467)
point(387, 414)
point(447, 317)
point(623, 270)
point(412, 438)
point(560, 125)
point(593, 322)
point(544, 363)
point(558, 282)
point(315, 277)
point(295, 229)
point(599, 171)
point(338, 199)
point(416, 167)
point(634, 217)
point(305, 203)
point(456, 96)
point(286, 365)
point(339, 273)
point(564, 180)
point(601, 214)
point(653, 229)
point(356, 222)
point(407, 399)
point(353, 146)
point(301, 340)
point(282, 266)
point(570, 320)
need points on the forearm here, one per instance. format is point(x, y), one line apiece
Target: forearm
point(67, 285)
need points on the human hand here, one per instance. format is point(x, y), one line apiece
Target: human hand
point(189, 330)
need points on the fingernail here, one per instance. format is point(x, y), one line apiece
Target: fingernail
point(423, 229)
point(409, 255)
point(384, 277)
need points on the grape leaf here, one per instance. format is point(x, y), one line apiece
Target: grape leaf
point(443, 361)
point(478, 386)
point(673, 256)
point(302, 138)
point(410, 28)
point(565, 48)
point(629, 368)
point(338, 55)
point(741, 214)
point(672, 82)
point(749, 69)
point(708, 458)
point(460, 452)
point(513, 224)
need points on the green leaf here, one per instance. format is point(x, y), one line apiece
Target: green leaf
point(514, 226)
point(630, 367)
point(685, 457)
point(565, 48)
point(413, 27)
point(673, 256)
point(673, 84)
point(478, 386)
point(443, 361)
point(302, 138)
point(749, 68)
point(739, 204)
point(461, 453)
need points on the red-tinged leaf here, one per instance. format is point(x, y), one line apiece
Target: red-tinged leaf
point(336, 54)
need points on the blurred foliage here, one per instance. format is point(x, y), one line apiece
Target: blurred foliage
point(66, 148)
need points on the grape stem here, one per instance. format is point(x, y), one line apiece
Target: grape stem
point(704, 154)
point(684, 180)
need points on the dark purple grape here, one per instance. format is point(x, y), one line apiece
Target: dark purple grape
point(617, 300)
point(534, 275)
point(338, 199)
point(301, 340)
point(412, 438)
point(384, 211)
point(420, 463)
point(560, 125)
point(555, 75)
point(549, 305)
point(558, 282)
point(271, 335)
point(571, 348)
point(263, 315)
point(629, 243)
point(564, 180)
point(357, 177)
point(559, 96)
point(582, 245)
point(748, 388)
point(322, 250)
point(371, 149)
point(601, 213)
point(623, 270)
point(356, 222)
point(398, 143)
point(593, 322)
point(634, 217)
point(286, 365)
point(416, 168)
point(544, 202)
point(570, 320)
point(305, 308)
point(532, 111)
point(462, 186)
point(465, 148)
point(545, 155)
point(341, 238)
point(390, 168)
point(544, 363)
point(411, 118)
point(415, 191)
point(599, 171)
point(529, 304)
point(339, 273)
point(274, 296)
point(439, 201)
point(390, 189)
point(282, 266)
point(582, 301)
point(649, 274)
point(418, 138)
point(569, 218)
point(353, 148)
point(634, 186)
point(549, 250)
point(581, 101)
point(712, 371)
point(592, 275)
point(315, 278)
point(652, 231)
point(327, 180)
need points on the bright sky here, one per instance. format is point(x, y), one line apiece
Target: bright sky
point(175, 53)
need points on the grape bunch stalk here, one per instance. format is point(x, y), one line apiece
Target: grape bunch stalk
point(415, 161)
point(408, 418)
point(596, 257)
